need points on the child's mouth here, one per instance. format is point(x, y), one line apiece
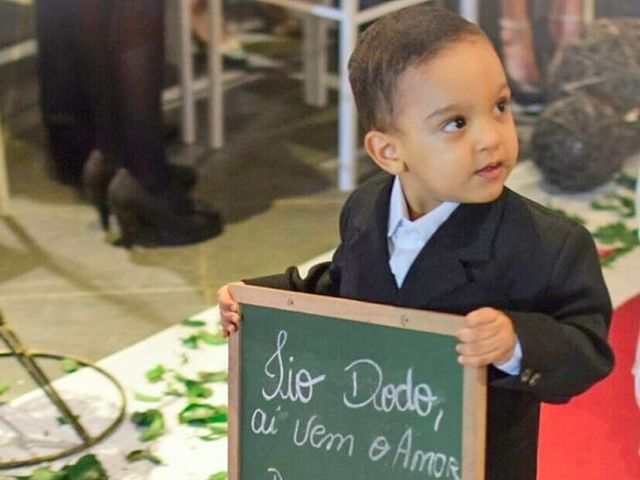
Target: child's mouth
point(490, 171)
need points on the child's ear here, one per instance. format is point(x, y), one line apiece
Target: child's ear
point(382, 148)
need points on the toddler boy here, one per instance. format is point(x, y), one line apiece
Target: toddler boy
point(440, 231)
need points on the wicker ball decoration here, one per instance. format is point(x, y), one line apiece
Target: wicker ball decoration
point(580, 142)
point(604, 62)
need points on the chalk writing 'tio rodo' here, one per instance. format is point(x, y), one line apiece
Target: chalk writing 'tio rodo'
point(298, 387)
point(367, 388)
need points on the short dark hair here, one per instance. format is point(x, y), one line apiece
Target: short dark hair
point(389, 47)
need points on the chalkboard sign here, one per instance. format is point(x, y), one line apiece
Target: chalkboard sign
point(328, 388)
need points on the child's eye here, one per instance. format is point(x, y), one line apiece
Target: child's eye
point(456, 124)
point(502, 106)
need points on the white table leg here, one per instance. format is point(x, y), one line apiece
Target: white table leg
point(216, 94)
point(4, 177)
point(347, 116)
point(470, 10)
point(589, 11)
point(315, 60)
point(186, 74)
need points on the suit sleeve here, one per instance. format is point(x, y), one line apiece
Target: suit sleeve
point(565, 350)
point(322, 279)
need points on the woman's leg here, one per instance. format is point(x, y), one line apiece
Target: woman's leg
point(151, 208)
point(137, 28)
point(517, 44)
point(97, 59)
point(565, 21)
point(64, 96)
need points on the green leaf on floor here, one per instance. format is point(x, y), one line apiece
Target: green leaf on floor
point(218, 476)
point(156, 373)
point(215, 432)
point(611, 257)
point(4, 387)
point(194, 388)
point(45, 474)
point(62, 420)
point(212, 338)
point(191, 341)
point(627, 181)
point(617, 233)
point(151, 423)
point(203, 413)
point(142, 397)
point(190, 322)
point(146, 454)
point(621, 204)
point(86, 468)
point(213, 377)
point(621, 238)
point(69, 365)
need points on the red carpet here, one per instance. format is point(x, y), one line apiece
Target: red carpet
point(597, 435)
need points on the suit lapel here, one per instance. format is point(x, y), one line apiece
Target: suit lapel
point(374, 280)
point(464, 240)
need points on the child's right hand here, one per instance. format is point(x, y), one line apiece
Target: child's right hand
point(229, 310)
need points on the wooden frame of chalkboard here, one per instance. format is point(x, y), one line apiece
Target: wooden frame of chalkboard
point(294, 387)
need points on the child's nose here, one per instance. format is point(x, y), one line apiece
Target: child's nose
point(489, 135)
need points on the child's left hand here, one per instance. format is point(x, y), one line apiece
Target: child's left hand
point(487, 337)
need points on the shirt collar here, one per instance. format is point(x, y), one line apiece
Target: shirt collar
point(425, 225)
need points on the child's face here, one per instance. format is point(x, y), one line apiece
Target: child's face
point(454, 133)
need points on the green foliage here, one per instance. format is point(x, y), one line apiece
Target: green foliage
point(215, 431)
point(212, 338)
point(623, 205)
point(194, 388)
point(62, 420)
point(69, 365)
point(86, 468)
point(4, 388)
point(213, 377)
point(218, 476)
point(189, 322)
point(142, 397)
point(192, 341)
point(156, 373)
point(203, 413)
point(145, 454)
point(151, 422)
point(617, 233)
point(627, 181)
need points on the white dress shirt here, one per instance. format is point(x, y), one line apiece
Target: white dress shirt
point(406, 238)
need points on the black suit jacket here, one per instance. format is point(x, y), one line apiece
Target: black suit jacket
point(511, 254)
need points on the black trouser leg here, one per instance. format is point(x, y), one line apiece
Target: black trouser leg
point(138, 43)
point(64, 98)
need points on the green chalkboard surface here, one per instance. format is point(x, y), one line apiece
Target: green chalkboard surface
point(326, 388)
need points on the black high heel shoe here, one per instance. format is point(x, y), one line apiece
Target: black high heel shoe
point(155, 219)
point(98, 172)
